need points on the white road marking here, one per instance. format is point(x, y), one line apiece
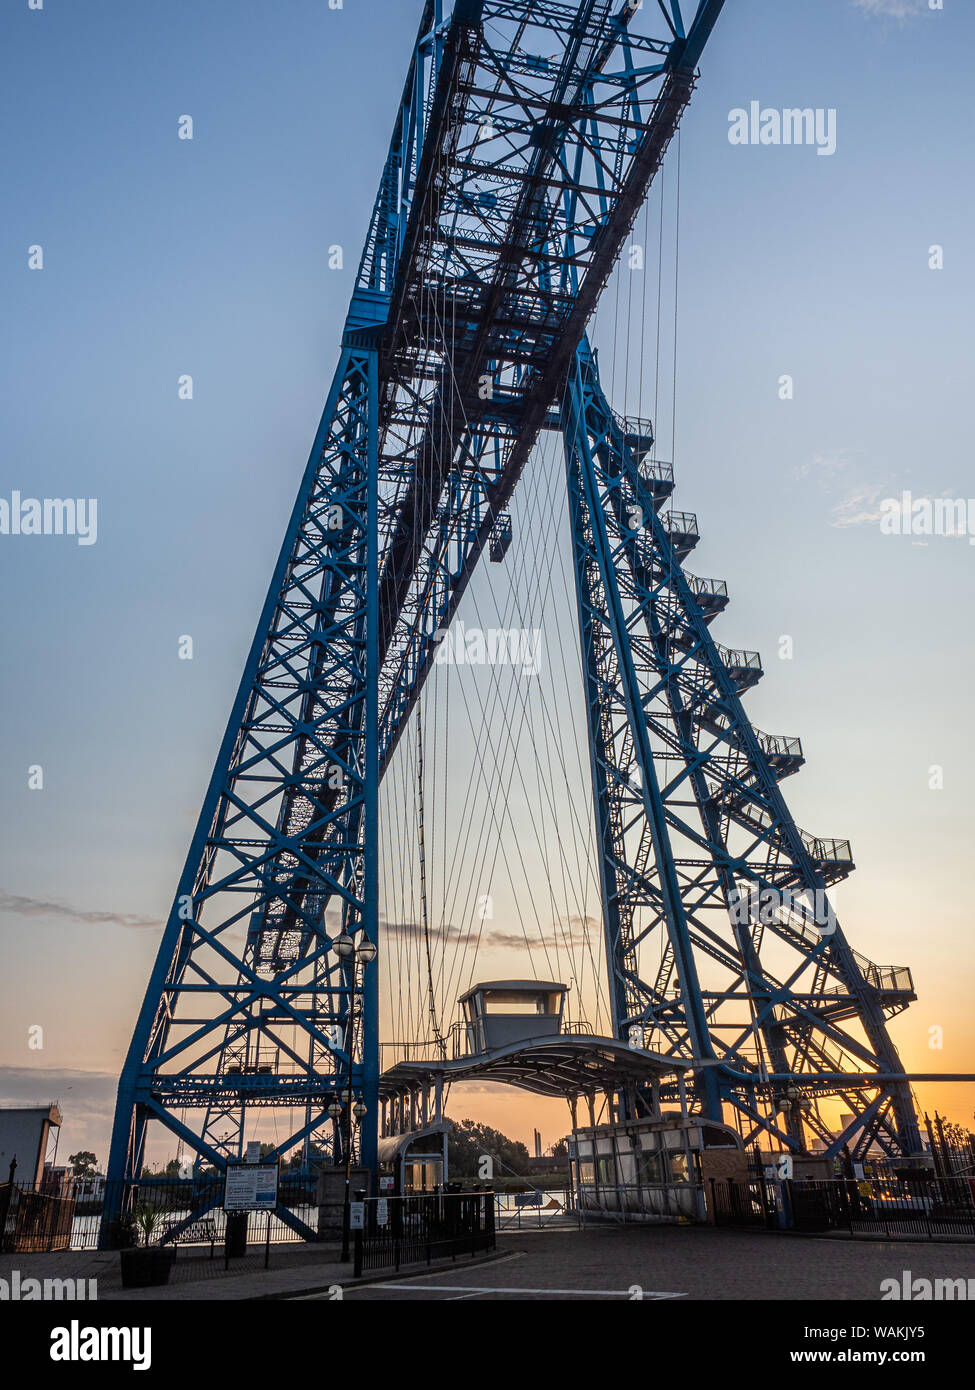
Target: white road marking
point(473, 1290)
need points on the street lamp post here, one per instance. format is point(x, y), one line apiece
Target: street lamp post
point(362, 955)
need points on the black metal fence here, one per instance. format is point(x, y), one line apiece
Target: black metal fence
point(34, 1221)
point(182, 1212)
point(397, 1231)
point(535, 1210)
point(925, 1205)
point(742, 1202)
point(182, 1206)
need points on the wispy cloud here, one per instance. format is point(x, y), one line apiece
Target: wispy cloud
point(35, 907)
point(860, 508)
point(86, 1100)
point(896, 9)
point(575, 931)
point(42, 1085)
point(854, 497)
point(443, 934)
point(826, 468)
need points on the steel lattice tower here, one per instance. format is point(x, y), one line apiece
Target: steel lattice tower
point(511, 185)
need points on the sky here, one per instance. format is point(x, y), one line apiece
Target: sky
point(164, 257)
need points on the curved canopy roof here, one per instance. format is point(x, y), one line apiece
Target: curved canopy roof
point(394, 1146)
point(562, 1065)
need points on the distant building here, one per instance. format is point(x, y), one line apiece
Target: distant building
point(548, 1164)
point(89, 1189)
point(57, 1182)
point(28, 1134)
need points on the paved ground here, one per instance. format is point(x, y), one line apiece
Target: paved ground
point(292, 1269)
point(600, 1263)
point(664, 1263)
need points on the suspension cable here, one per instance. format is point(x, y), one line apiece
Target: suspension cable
point(438, 1036)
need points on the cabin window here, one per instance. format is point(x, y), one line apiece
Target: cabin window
point(607, 1170)
point(651, 1169)
point(678, 1167)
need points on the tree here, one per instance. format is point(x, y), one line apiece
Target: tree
point(560, 1149)
point(317, 1157)
point(469, 1142)
point(84, 1164)
point(957, 1136)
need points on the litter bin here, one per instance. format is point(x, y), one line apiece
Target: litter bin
point(236, 1238)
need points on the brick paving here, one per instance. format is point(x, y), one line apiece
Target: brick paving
point(604, 1262)
point(600, 1262)
point(295, 1270)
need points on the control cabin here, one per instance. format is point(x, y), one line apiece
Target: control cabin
point(501, 1012)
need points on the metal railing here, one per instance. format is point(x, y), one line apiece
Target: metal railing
point(779, 745)
point(827, 851)
point(925, 1206)
point(634, 427)
point(427, 1049)
point(890, 979)
point(184, 1204)
point(706, 588)
point(772, 745)
point(655, 470)
point(667, 1203)
point(678, 524)
point(535, 1209)
point(395, 1231)
point(741, 1202)
point(461, 1041)
point(738, 659)
point(34, 1221)
point(821, 850)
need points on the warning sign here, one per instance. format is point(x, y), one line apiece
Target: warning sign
point(251, 1187)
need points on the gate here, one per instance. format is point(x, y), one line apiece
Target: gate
point(414, 1230)
point(743, 1202)
point(34, 1222)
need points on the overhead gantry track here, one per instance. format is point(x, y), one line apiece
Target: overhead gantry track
point(532, 170)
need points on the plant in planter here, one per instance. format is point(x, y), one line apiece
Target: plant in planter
point(147, 1265)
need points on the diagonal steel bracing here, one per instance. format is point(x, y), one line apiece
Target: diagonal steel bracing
point(705, 865)
point(525, 140)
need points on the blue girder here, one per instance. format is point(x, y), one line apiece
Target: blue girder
point(525, 141)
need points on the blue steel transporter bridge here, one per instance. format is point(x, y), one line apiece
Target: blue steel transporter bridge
point(524, 145)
